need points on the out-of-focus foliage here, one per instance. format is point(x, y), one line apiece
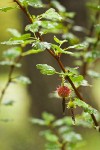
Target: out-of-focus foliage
point(56, 20)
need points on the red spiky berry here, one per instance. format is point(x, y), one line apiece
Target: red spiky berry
point(63, 91)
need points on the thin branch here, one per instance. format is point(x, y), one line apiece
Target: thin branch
point(62, 68)
point(55, 131)
point(24, 10)
point(9, 78)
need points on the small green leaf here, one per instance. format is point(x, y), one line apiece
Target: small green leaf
point(12, 53)
point(58, 6)
point(23, 39)
point(12, 42)
point(22, 80)
point(59, 50)
point(52, 146)
point(84, 120)
point(60, 42)
point(72, 137)
point(72, 39)
point(77, 79)
point(46, 69)
point(85, 106)
point(51, 14)
point(64, 121)
point(33, 3)
point(92, 55)
point(38, 121)
point(85, 83)
point(48, 118)
point(33, 27)
point(5, 9)
point(50, 136)
point(32, 51)
point(49, 24)
point(93, 74)
point(42, 45)
point(80, 46)
point(14, 32)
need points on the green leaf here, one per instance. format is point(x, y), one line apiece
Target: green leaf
point(58, 6)
point(65, 129)
point(46, 69)
point(22, 80)
point(14, 32)
point(23, 39)
point(48, 118)
point(85, 83)
point(33, 3)
point(60, 42)
point(92, 55)
point(51, 14)
point(72, 137)
point(49, 24)
point(42, 45)
point(84, 120)
point(32, 51)
point(12, 42)
point(52, 146)
point(50, 136)
point(59, 50)
point(80, 46)
point(93, 74)
point(64, 121)
point(51, 27)
point(12, 53)
point(85, 106)
point(72, 39)
point(38, 121)
point(33, 27)
point(77, 79)
point(5, 9)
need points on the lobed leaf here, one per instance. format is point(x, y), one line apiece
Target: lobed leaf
point(85, 106)
point(46, 69)
point(51, 14)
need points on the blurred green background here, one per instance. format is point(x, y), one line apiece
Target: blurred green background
point(16, 132)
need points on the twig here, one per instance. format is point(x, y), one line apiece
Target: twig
point(61, 66)
point(9, 79)
point(62, 144)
